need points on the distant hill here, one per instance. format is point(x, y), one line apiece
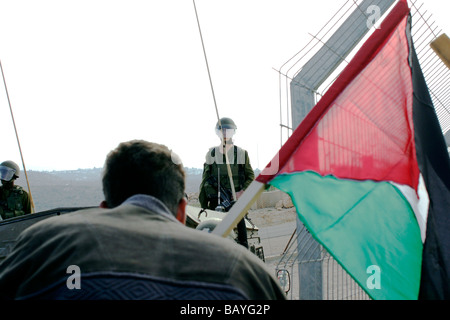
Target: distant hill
point(78, 188)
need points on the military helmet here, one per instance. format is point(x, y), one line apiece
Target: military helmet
point(226, 123)
point(8, 170)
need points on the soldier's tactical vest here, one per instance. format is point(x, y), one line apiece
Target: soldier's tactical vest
point(11, 202)
point(218, 164)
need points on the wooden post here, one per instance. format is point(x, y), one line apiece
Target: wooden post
point(441, 45)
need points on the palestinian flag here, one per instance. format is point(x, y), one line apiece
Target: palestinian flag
point(369, 172)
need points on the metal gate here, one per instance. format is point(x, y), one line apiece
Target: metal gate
point(306, 269)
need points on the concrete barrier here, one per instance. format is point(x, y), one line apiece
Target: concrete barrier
point(276, 199)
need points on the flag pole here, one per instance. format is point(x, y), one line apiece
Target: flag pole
point(239, 209)
point(17, 137)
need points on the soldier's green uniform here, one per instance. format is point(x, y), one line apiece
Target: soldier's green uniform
point(14, 201)
point(241, 170)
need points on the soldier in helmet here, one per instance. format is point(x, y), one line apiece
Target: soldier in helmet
point(14, 201)
point(215, 172)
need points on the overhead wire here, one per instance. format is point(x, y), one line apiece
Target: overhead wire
point(230, 175)
point(17, 137)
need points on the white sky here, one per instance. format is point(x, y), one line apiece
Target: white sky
point(85, 75)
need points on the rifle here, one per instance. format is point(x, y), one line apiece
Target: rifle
point(224, 195)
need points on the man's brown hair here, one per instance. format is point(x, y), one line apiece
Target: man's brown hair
point(142, 167)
